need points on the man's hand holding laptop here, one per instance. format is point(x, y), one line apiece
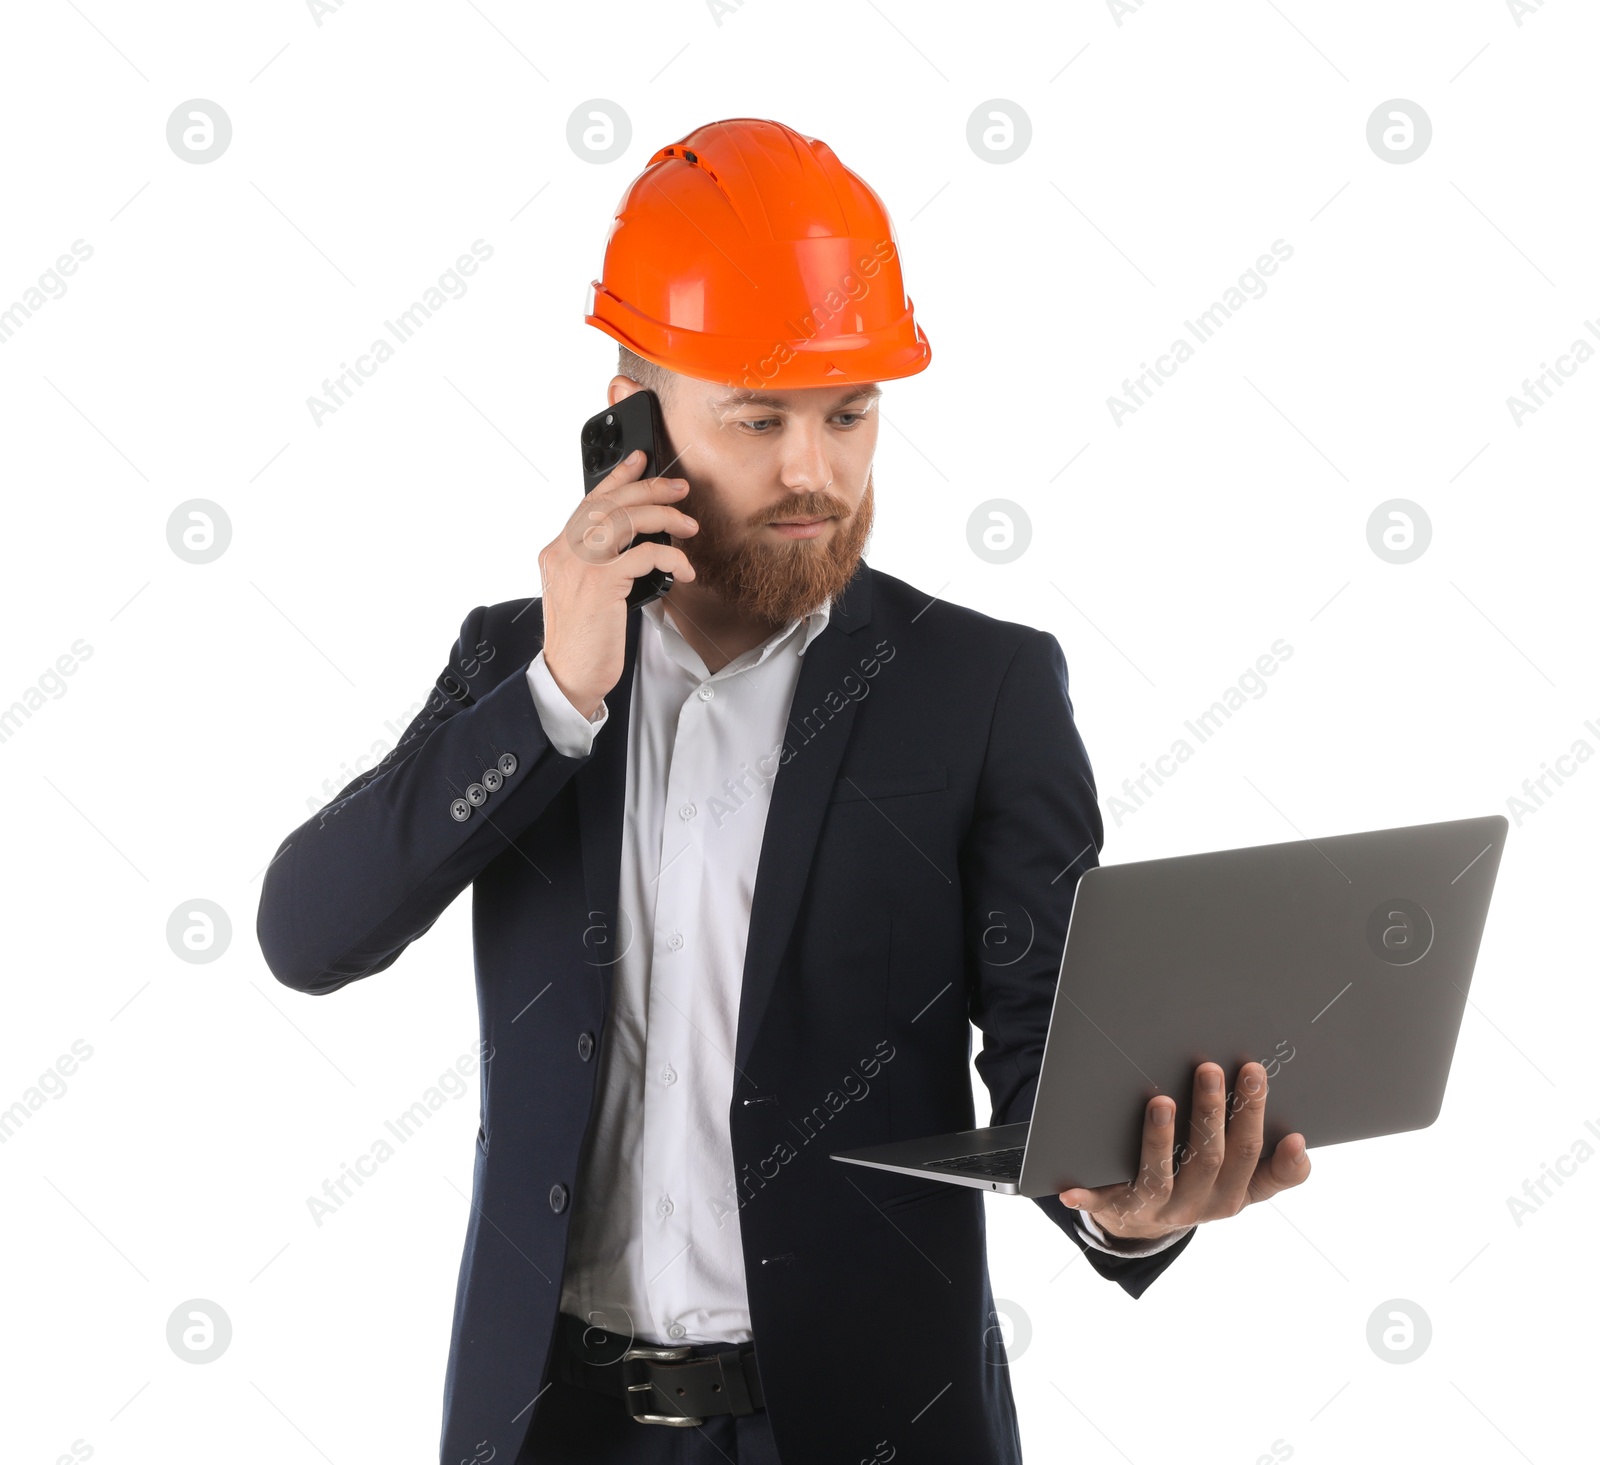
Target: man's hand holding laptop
point(1219, 1171)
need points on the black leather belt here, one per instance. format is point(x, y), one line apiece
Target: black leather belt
point(658, 1385)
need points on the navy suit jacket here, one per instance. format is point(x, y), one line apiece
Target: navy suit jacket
point(930, 817)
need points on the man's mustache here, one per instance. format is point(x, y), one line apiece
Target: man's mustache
point(803, 506)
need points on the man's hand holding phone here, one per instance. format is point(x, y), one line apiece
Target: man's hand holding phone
point(587, 575)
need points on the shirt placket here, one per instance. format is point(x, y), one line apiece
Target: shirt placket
point(676, 965)
point(677, 1068)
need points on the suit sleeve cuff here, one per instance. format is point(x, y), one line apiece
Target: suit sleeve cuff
point(1116, 1245)
point(570, 732)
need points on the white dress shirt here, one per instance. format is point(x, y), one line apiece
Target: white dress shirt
point(654, 1248)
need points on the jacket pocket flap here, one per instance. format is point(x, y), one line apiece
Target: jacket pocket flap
point(876, 786)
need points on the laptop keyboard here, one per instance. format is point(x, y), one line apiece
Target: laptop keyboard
point(993, 1164)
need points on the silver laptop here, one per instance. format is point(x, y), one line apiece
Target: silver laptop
point(1340, 964)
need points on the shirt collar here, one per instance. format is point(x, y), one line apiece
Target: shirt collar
point(814, 624)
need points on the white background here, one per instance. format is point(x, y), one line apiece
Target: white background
point(222, 702)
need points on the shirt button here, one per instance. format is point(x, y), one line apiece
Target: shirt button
point(686, 812)
point(669, 1075)
point(664, 1206)
point(558, 1198)
point(675, 941)
point(705, 694)
point(585, 1046)
point(677, 1330)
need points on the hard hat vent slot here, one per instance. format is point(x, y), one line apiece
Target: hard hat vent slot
point(704, 280)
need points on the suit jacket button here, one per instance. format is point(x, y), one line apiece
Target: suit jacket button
point(476, 795)
point(585, 1046)
point(558, 1198)
point(492, 779)
point(460, 811)
point(508, 764)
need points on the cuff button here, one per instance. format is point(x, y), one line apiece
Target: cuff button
point(492, 779)
point(476, 795)
point(460, 811)
point(508, 764)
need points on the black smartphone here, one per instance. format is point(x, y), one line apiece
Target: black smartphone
point(608, 437)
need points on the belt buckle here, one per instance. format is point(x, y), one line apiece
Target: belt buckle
point(635, 1404)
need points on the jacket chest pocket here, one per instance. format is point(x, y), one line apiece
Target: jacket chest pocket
point(888, 785)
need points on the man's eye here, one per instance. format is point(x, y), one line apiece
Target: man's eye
point(756, 423)
point(854, 416)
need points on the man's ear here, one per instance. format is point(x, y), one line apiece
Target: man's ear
point(620, 387)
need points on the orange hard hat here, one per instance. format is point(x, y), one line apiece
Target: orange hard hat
point(748, 253)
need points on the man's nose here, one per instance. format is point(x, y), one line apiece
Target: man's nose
point(806, 467)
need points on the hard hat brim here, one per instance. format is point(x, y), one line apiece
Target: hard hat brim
point(776, 365)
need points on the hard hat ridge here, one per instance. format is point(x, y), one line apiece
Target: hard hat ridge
point(747, 252)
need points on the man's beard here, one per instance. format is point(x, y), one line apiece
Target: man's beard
point(780, 580)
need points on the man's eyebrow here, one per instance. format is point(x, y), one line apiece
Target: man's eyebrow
point(762, 399)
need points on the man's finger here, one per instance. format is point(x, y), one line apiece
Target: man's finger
point(1153, 1187)
point(1287, 1166)
point(1141, 1200)
point(1244, 1143)
point(635, 491)
point(646, 555)
point(1201, 1161)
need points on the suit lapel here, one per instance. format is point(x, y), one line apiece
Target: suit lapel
point(602, 791)
point(820, 720)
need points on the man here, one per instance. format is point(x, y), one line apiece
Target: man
point(746, 864)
